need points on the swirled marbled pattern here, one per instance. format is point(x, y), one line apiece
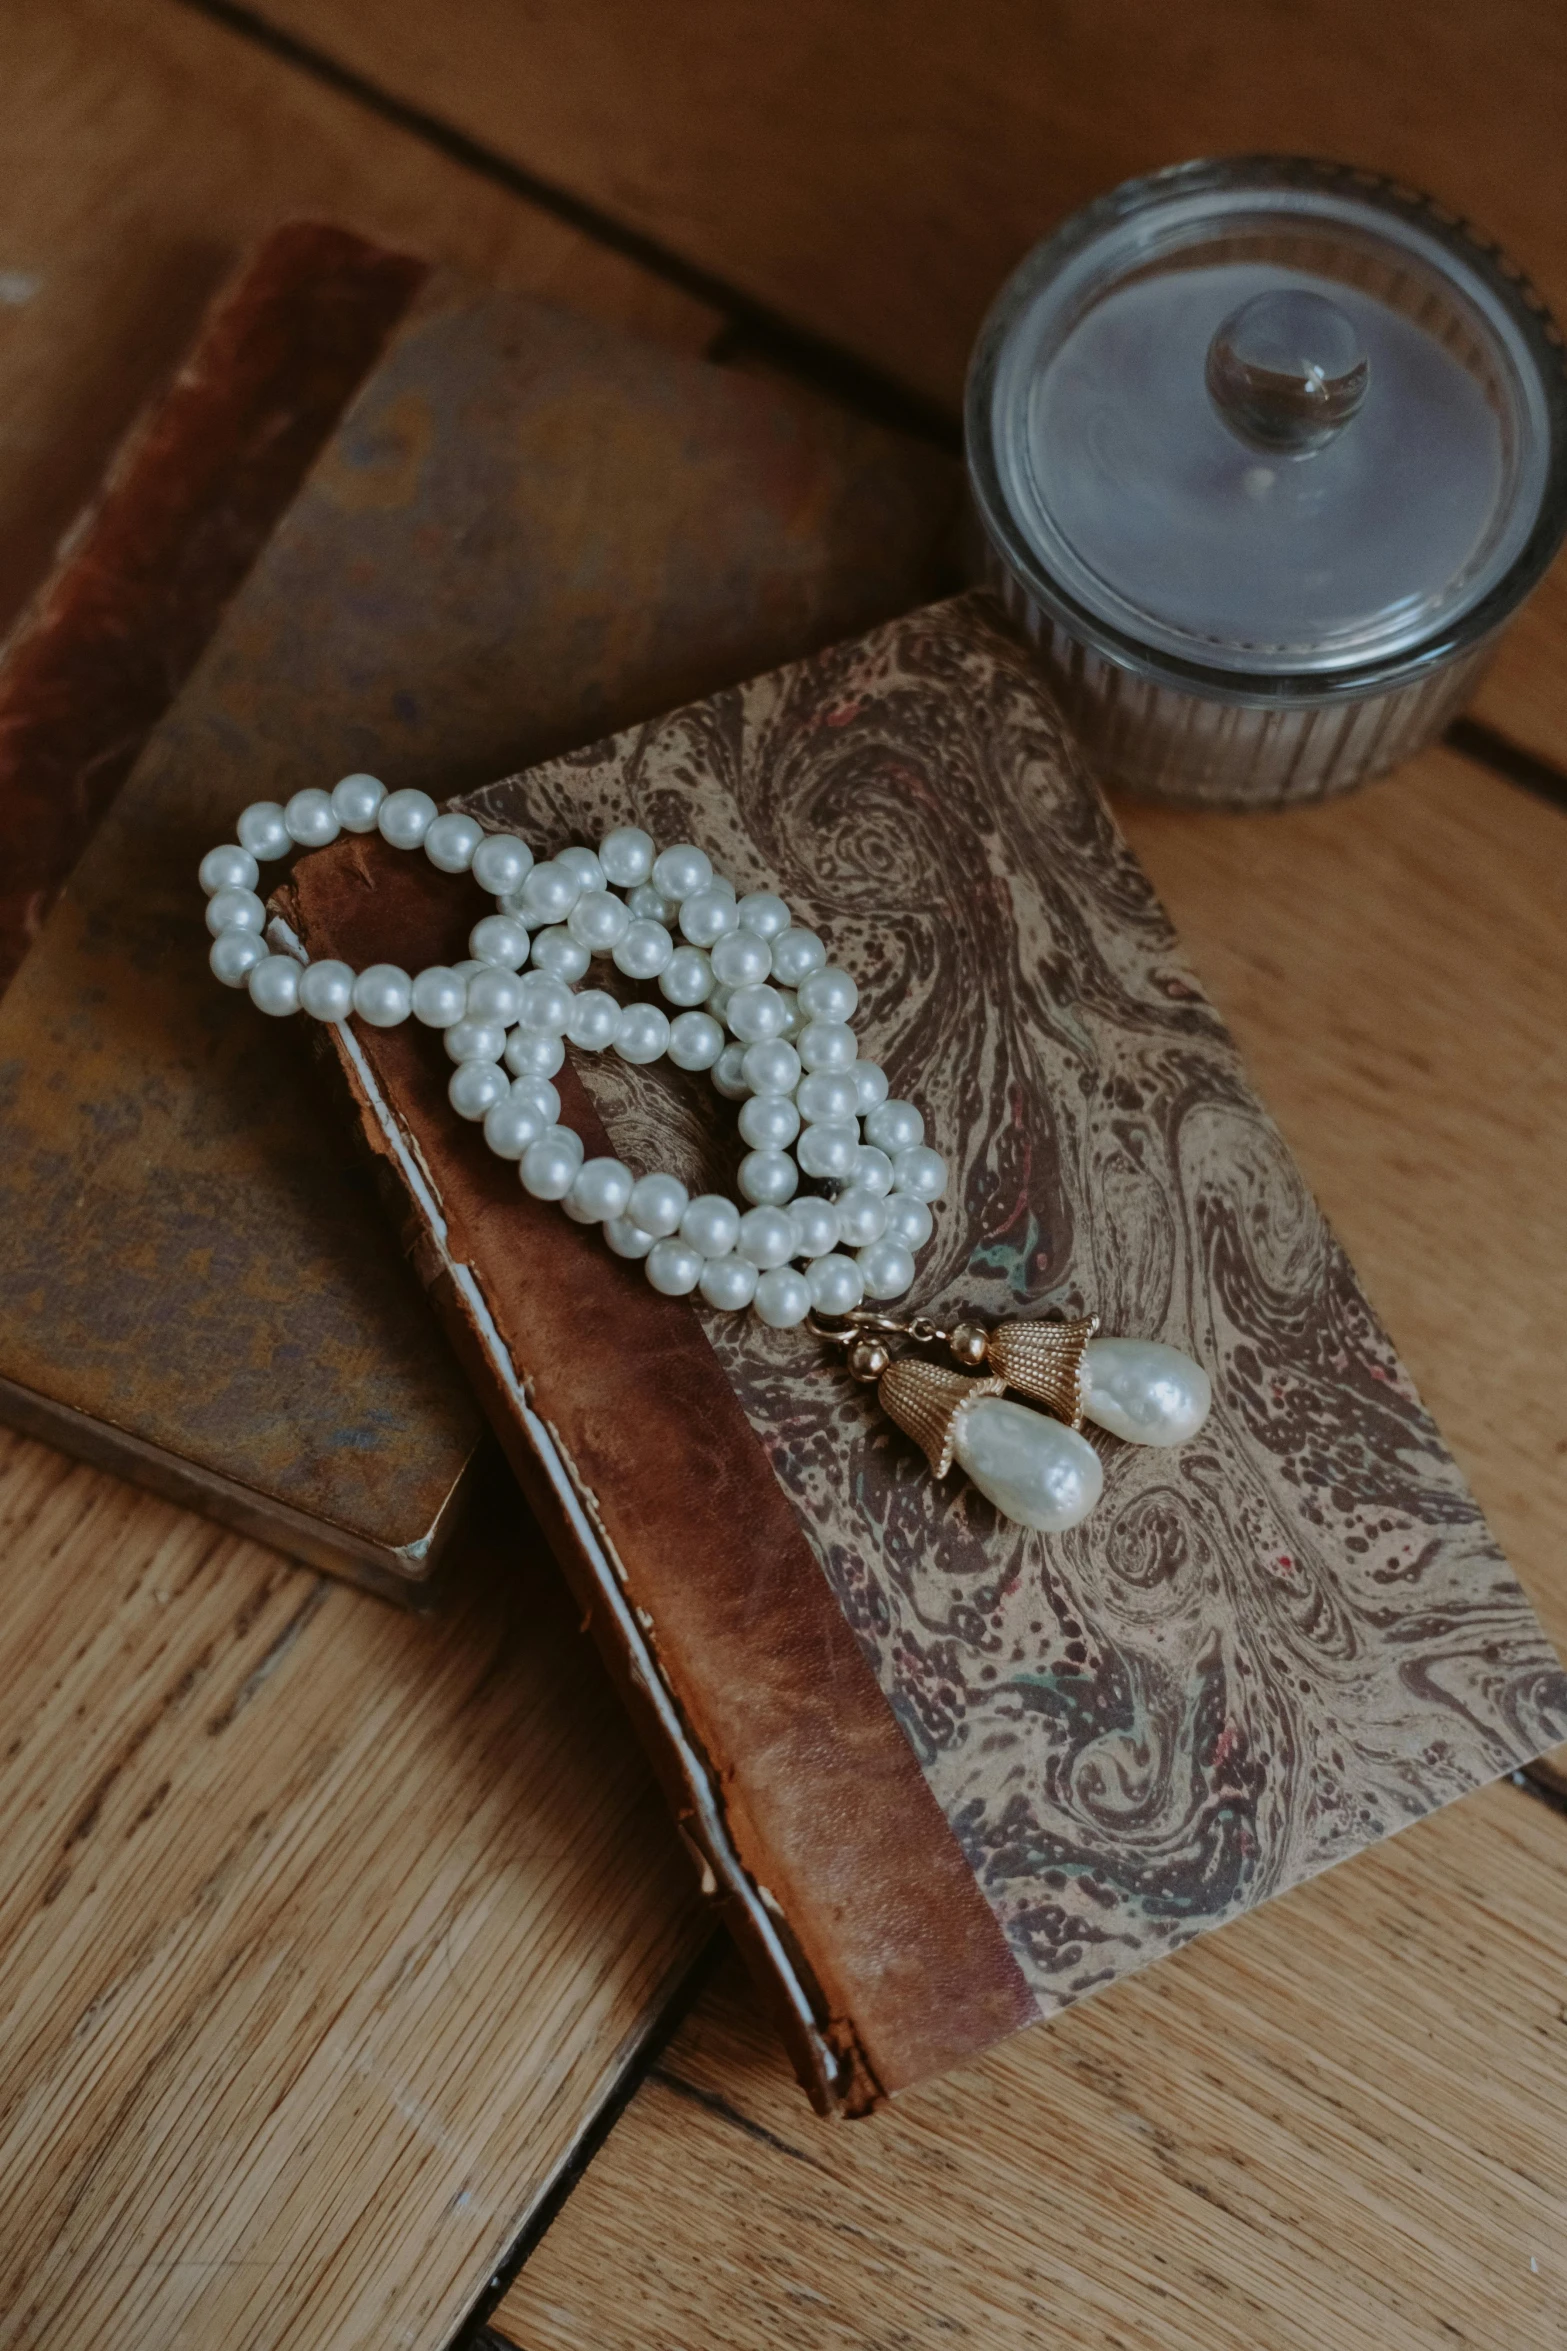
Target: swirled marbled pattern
point(1264, 1650)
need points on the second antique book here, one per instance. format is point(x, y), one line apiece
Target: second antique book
point(948, 1775)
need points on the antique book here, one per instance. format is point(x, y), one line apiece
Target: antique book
point(945, 1775)
point(527, 527)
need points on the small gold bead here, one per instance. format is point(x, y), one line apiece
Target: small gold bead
point(868, 1358)
point(970, 1343)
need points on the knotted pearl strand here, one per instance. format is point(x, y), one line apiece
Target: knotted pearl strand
point(809, 1105)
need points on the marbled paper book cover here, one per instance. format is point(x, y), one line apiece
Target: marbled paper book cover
point(948, 1775)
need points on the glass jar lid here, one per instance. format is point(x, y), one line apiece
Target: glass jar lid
point(1270, 418)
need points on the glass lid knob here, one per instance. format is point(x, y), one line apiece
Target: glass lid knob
point(1286, 372)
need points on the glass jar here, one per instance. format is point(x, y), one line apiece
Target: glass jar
point(1267, 452)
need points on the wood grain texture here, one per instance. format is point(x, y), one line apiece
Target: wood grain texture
point(318, 1922)
point(1339, 2123)
point(873, 173)
point(145, 150)
point(1261, 1652)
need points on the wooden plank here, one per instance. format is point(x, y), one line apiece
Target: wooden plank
point(1336, 2125)
point(145, 148)
point(1339, 2122)
point(321, 1926)
point(873, 175)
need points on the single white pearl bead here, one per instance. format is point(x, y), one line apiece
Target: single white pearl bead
point(549, 893)
point(228, 868)
point(498, 938)
point(721, 881)
point(768, 1177)
point(473, 1040)
point(870, 1083)
point(687, 978)
point(707, 914)
point(794, 1018)
point(474, 1088)
point(769, 1122)
point(326, 990)
point(908, 1220)
point(827, 1044)
point(311, 819)
point(658, 1202)
point(766, 1237)
point(695, 1040)
point(383, 995)
point(539, 1095)
point(598, 921)
point(235, 955)
point(511, 1124)
point(501, 864)
point(404, 818)
point(646, 904)
point(729, 1073)
point(711, 1224)
point(642, 1033)
point(531, 1054)
point(494, 994)
point(836, 1284)
point(1032, 1469)
point(887, 1268)
point(469, 968)
point(827, 1098)
point(583, 866)
point(451, 841)
point(263, 830)
point(729, 1283)
point(558, 953)
point(862, 1217)
point(356, 802)
point(1144, 1391)
point(718, 1000)
point(626, 1238)
point(274, 985)
point(601, 1190)
point(235, 910)
point(921, 1171)
point(594, 1022)
point(545, 1003)
point(783, 1298)
point(827, 1152)
point(626, 855)
point(674, 1267)
point(770, 1068)
point(796, 954)
point(872, 1169)
point(894, 1127)
point(755, 1014)
point(643, 950)
point(740, 959)
point(548, 1168)
point(440, 996)
point(815, 1223)
point(680, 871)
point(829, 994)
point(760, 911)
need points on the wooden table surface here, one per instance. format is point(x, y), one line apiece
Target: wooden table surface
point(1339, 2123)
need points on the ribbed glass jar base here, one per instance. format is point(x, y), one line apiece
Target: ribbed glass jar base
point(1147, 736)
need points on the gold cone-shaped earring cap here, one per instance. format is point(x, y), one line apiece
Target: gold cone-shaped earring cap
point(1045, 1360)
point(927, 1403)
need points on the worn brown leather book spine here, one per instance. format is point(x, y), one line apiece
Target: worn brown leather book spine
point(949, 1775)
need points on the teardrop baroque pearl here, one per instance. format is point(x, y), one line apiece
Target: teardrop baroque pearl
point(1144, 1391)
point(1034, 1470)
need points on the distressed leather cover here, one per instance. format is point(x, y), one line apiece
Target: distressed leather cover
point(948, 1774)
point(527, 527)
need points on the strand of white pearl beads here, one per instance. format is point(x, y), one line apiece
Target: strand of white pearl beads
point(809, 1105)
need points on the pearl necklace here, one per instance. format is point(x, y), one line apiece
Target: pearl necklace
point(810, 1106)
